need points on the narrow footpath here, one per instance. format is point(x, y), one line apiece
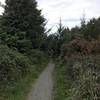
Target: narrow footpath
point(42, 89)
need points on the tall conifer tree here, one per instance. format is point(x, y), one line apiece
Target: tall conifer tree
point(24, 16)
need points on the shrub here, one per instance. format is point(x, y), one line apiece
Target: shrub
point(13, 65)
point(86, 74)
point(89, 83)
point(36, 56)
point(80, 46)
point(23, 45)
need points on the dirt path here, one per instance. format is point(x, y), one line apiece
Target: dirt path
point(42, 89)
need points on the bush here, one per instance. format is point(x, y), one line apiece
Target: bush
point(77, 46)
point(18, 72)
point(23, 45)
point(80, 46)
point(89, 79)
point(85, 71)
point(36, 56)
point(13, 65)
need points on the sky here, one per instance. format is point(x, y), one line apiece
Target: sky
point(70, 11)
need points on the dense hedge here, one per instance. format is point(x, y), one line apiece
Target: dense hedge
point(13, 65)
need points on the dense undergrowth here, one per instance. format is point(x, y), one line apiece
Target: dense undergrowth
point(18, 71)
point(87, 78)
point(78, 79)
point(77, 72)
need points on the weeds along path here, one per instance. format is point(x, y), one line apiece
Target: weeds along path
point(42, 89)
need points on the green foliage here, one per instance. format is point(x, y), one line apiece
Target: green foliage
point(18, 71)
point(50, 45)
point(17, 41)
point(23, 16)
point(92, 30)
point(23, 45)
point(54, 41)
point(79, 70)
point(59, 90)
point(36, 56)
point(81, 74)
point(89, 30)
point(13, 65)
point(22, 28)
point(87, 81)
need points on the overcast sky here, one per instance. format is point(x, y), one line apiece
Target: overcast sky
point(70, 11)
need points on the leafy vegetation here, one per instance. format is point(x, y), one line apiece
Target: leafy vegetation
point(23, 16)
point(22, 58)
point(17, 72)
point(12, 61)
point(84, 75)
point(77, 75)
point(25, 46)
point(60, 90)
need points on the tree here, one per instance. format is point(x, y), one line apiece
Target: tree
point(83, 25)
point(54, 41)
point(93, 29)
point(60, 28)
point(23, 16)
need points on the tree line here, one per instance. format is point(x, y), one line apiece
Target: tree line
point(86, 34)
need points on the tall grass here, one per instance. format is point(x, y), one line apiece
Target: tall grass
point(81, 79)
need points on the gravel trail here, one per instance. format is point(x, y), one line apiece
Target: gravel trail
point(42, 89)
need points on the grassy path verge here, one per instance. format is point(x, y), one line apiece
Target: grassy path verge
point(20, 89)
point(59, 90)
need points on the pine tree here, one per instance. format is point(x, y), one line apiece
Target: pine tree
point(23, 16)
